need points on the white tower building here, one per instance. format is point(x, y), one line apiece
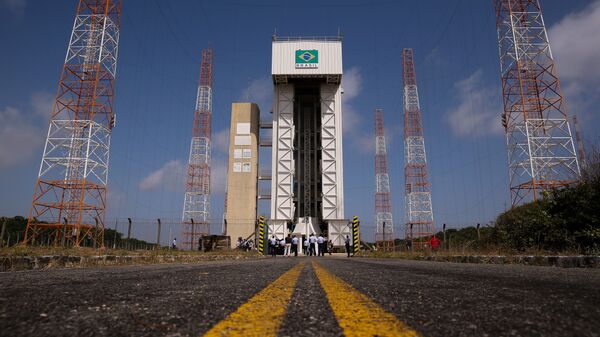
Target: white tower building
point(307, 191)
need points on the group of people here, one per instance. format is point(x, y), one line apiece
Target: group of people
point(245, 245)
point(312, 246)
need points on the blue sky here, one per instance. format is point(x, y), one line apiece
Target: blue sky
point(457, 72)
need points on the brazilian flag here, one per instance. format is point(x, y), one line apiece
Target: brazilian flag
point(307, 56)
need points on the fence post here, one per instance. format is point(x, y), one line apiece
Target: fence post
point(3, 230)
point(261, 235)
point(64, 232)
point(158, 235)
point(115, 235)
point(444, 231)
point(192, 239)
point(96, 233)
point(355, 237)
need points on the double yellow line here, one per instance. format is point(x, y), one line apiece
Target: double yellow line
point(356, 314)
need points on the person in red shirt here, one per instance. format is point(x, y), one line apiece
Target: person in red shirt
point(435, 243)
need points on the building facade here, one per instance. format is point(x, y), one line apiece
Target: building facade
point(242, 172)
point(307, 192)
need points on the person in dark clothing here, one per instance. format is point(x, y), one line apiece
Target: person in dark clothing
point(295, 245)
point(408, 245)
point(347, 241)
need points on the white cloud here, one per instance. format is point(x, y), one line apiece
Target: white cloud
point(42, 104)
point(16, 7)
point(171, 176)
point(352, 84)
point(478, 110)
point(116, 199)
point(22, 131)
point(20, 139)
point(220, 142)
point(218, 175)
point(577, 53)
point(259, 91)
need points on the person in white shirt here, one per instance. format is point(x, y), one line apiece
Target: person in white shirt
point(306, 249)
point(282, 244)
point(295, 245)
point(174, 244)
point(320, 241)
point(313, 243)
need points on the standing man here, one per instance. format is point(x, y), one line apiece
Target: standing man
point(435, 243)
point(320, 242)
point(306, 249)
point(313, 242)
point(282, 246)
point(174, 244)
point(272, 244)
point(288, 245)
point(295, 245)
point(347, 241)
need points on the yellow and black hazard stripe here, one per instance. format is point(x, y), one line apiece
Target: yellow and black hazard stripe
point(355, 242)
point(261, 234)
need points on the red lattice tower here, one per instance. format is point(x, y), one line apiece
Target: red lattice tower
point(384, 223)
point(419, 211)
point(196, 207)
point(69, 201)
point(541, 151)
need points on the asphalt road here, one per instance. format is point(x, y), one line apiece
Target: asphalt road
point(435, 299)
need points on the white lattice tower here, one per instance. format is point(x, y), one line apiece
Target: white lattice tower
point(69, 202)
point(384, 224)
point(196, 205)
point(419, 211)
point(541, 152)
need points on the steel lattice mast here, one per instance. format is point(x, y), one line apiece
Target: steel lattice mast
point(69, 201)
point(196, 206)
point(419, 212)
point(541, 153)
point(384, 223)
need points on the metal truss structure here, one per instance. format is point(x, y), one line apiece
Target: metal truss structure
point(419, 211)
point(283, 162)
point(196, 205)
point(384, 223)
point(69, 200)
point(541, 152)
point(330, 151)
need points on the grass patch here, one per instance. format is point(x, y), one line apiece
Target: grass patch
point(33, 251)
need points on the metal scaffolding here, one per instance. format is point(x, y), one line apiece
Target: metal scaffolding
point(196, 205)
point(541, 152)
point(69, 201)
point(419, 211)
point(384, 223)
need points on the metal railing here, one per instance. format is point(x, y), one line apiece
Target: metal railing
point(306, 38)
point(265, 174)
point(265, 140)
point(264, 193)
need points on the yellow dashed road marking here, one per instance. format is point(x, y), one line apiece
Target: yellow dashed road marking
point(357, 314)
point(262, 314)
